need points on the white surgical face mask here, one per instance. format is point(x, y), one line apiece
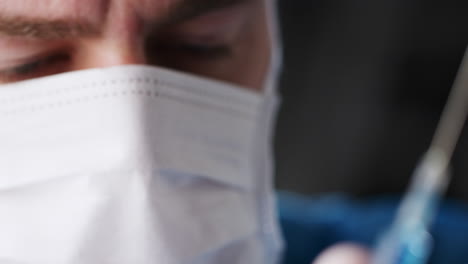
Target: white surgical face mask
point(135, 165)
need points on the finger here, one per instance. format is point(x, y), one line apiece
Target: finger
point(344, 254)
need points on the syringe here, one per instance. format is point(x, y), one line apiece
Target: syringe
point(408, 240)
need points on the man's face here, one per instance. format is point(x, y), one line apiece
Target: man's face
point(221, 39)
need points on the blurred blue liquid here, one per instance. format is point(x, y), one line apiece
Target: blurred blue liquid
point(311, 224)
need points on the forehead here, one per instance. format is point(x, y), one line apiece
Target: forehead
point(54, 9)
point(94, 10)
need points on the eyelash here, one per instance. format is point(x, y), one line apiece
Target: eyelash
point(56, 63)
point(48, 64)
point(200, 51)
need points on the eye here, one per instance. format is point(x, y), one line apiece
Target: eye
point(200, 50)
point(48, 65)
point(206, 39)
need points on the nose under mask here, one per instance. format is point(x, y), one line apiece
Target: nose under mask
point(135, 164)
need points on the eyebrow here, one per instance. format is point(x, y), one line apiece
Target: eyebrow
point(45, 29)
point(42, 28)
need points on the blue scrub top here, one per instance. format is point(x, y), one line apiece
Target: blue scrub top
point(310, 225)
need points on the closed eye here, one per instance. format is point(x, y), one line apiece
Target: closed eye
point(50, 64)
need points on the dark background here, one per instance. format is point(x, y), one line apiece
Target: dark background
point(363, 87)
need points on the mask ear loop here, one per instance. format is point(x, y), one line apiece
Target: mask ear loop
point(276, 53)
point(270, 230)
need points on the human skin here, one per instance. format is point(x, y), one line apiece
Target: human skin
point(222, 39)
point(344, 254)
